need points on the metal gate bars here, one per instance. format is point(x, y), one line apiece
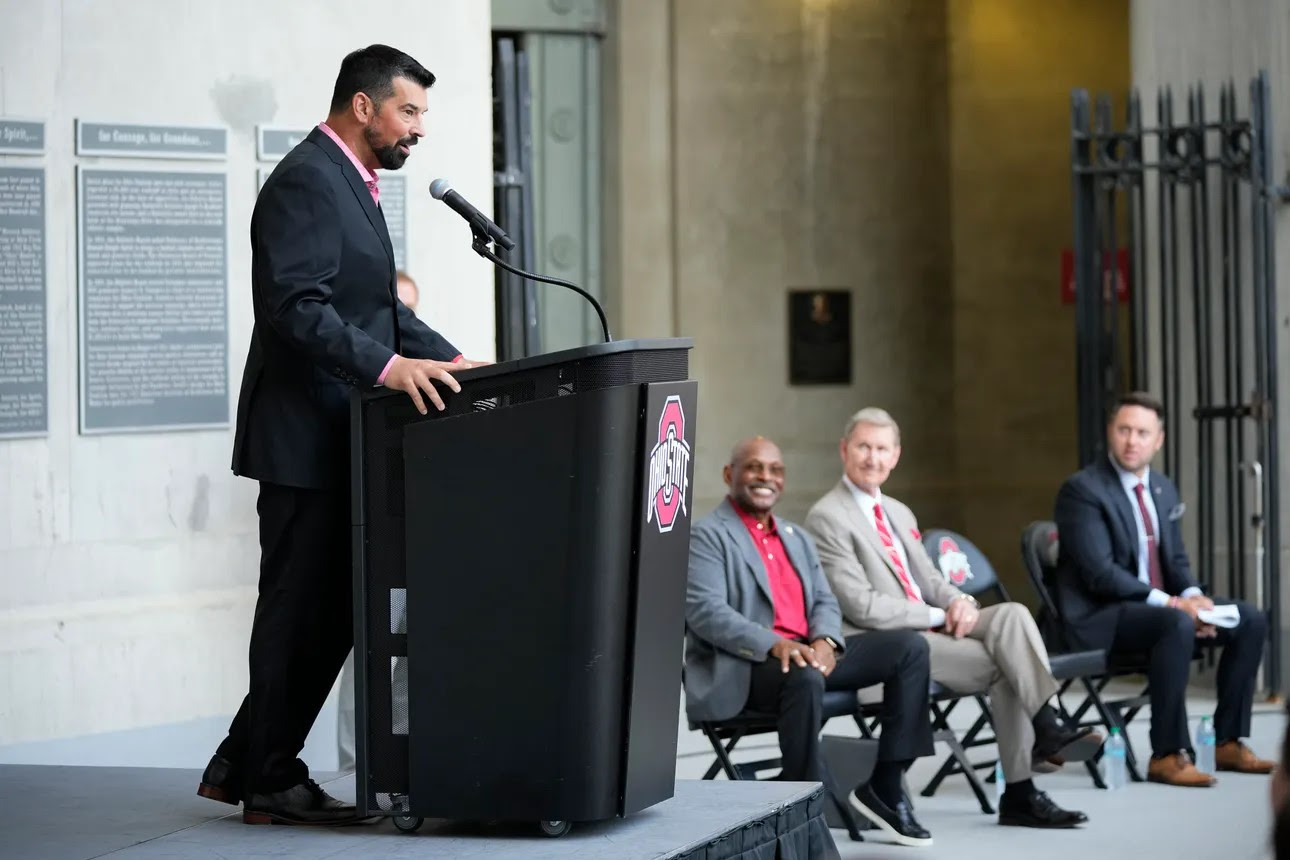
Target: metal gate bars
point(1175, 293)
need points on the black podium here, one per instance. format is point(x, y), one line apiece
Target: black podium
point(519, 583)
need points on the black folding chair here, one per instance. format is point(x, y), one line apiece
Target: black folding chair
point(941, 701)
point(967, 568)
point(1039, 546)
point(725, 735)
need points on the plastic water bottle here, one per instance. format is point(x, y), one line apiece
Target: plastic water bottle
point(998, 783)
point(1205, 746)
point(1115, 769)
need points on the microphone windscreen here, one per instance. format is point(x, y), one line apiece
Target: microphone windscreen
point(439, 188)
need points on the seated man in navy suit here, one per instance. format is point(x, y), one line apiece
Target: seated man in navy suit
point(1124, 584)
point(764, 633)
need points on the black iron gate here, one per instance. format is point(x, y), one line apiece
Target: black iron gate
point(1175, 293)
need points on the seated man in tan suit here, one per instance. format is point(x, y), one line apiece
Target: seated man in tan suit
point(875, 562)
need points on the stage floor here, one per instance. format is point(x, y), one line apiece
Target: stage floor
point(76, 813)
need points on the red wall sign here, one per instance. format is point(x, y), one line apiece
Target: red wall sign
point(1121, 275)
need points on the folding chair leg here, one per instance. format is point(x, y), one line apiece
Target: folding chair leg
point(946, 769)
point(1112, 718)
point(1131, 757)
point(723, 761)
point(1126, 716)
point(1094, 697)
point(843, 809)
point(969, 772)
point(866, 726)
point(970, 738)
point(1065, 714)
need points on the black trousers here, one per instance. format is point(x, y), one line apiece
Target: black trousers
point(1168, 638)
point(302, 632)
point(897, 659)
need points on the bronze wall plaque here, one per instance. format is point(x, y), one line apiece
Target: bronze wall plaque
point(819, 337)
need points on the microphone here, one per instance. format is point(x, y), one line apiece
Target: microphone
point(483, 231)
point(441, 190)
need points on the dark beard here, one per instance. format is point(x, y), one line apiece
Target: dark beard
point(390, 157)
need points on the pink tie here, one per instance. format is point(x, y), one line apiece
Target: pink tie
point(1153, 546)
point(890, 544)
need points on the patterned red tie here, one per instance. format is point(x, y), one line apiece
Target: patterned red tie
point(890, 545)
point(1153, 546)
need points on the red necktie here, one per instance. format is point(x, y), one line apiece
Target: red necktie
point(893, 554)
point(1153, 547)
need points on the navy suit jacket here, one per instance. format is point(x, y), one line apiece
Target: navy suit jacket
point(1097, 566)
point(327, 318)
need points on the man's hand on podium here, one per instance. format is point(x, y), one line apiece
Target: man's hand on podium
point(412, 376)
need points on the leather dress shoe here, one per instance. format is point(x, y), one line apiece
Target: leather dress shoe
point(899, 823)
point(1057, 743)
point(305, 803)
point(1177, 769)
point(221, 781)
point(1236, 756)
point(1036, 809)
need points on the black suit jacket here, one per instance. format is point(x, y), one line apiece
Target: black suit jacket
point(327, 318)
point(1097, 564)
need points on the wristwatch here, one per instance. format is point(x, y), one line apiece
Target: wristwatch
point(833, 643)
point(969, 598)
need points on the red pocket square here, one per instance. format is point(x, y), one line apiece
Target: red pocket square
point(916, 534)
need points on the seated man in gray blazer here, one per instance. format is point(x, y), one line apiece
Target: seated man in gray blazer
point(763, 633)
point(874, 559)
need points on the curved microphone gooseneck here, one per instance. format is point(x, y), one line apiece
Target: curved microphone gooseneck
point(485, 232)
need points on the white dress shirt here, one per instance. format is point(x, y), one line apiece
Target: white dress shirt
point(1130, 481)
point(866, 501)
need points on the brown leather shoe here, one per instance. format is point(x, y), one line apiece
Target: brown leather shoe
point(1177, 769)
point(221, 781)
point(1236, 756)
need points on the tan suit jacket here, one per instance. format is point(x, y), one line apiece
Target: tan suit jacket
point(1003, 653)
point(860, 570)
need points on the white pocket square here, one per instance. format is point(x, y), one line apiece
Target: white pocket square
point(1177, 512)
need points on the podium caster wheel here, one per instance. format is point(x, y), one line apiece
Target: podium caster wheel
point(555, 828)
point(408, 823)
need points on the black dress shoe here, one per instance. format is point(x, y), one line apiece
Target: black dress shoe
point(1056, 743)
point(1036, 809)
point(221, 781)
point(899, 823)
point(305, 803)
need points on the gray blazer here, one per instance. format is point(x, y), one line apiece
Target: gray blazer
point(729, 614)
point(861, 572)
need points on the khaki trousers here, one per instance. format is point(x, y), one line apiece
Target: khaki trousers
point(1005, 656)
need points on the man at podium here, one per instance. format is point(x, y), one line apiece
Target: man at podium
point(326, 319)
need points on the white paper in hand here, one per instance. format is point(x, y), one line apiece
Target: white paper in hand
point(1226, 615)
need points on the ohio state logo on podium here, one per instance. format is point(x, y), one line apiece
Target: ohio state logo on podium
point(669, 466)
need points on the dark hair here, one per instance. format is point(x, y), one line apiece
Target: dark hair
point(372, 70)
point(1137, 398)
